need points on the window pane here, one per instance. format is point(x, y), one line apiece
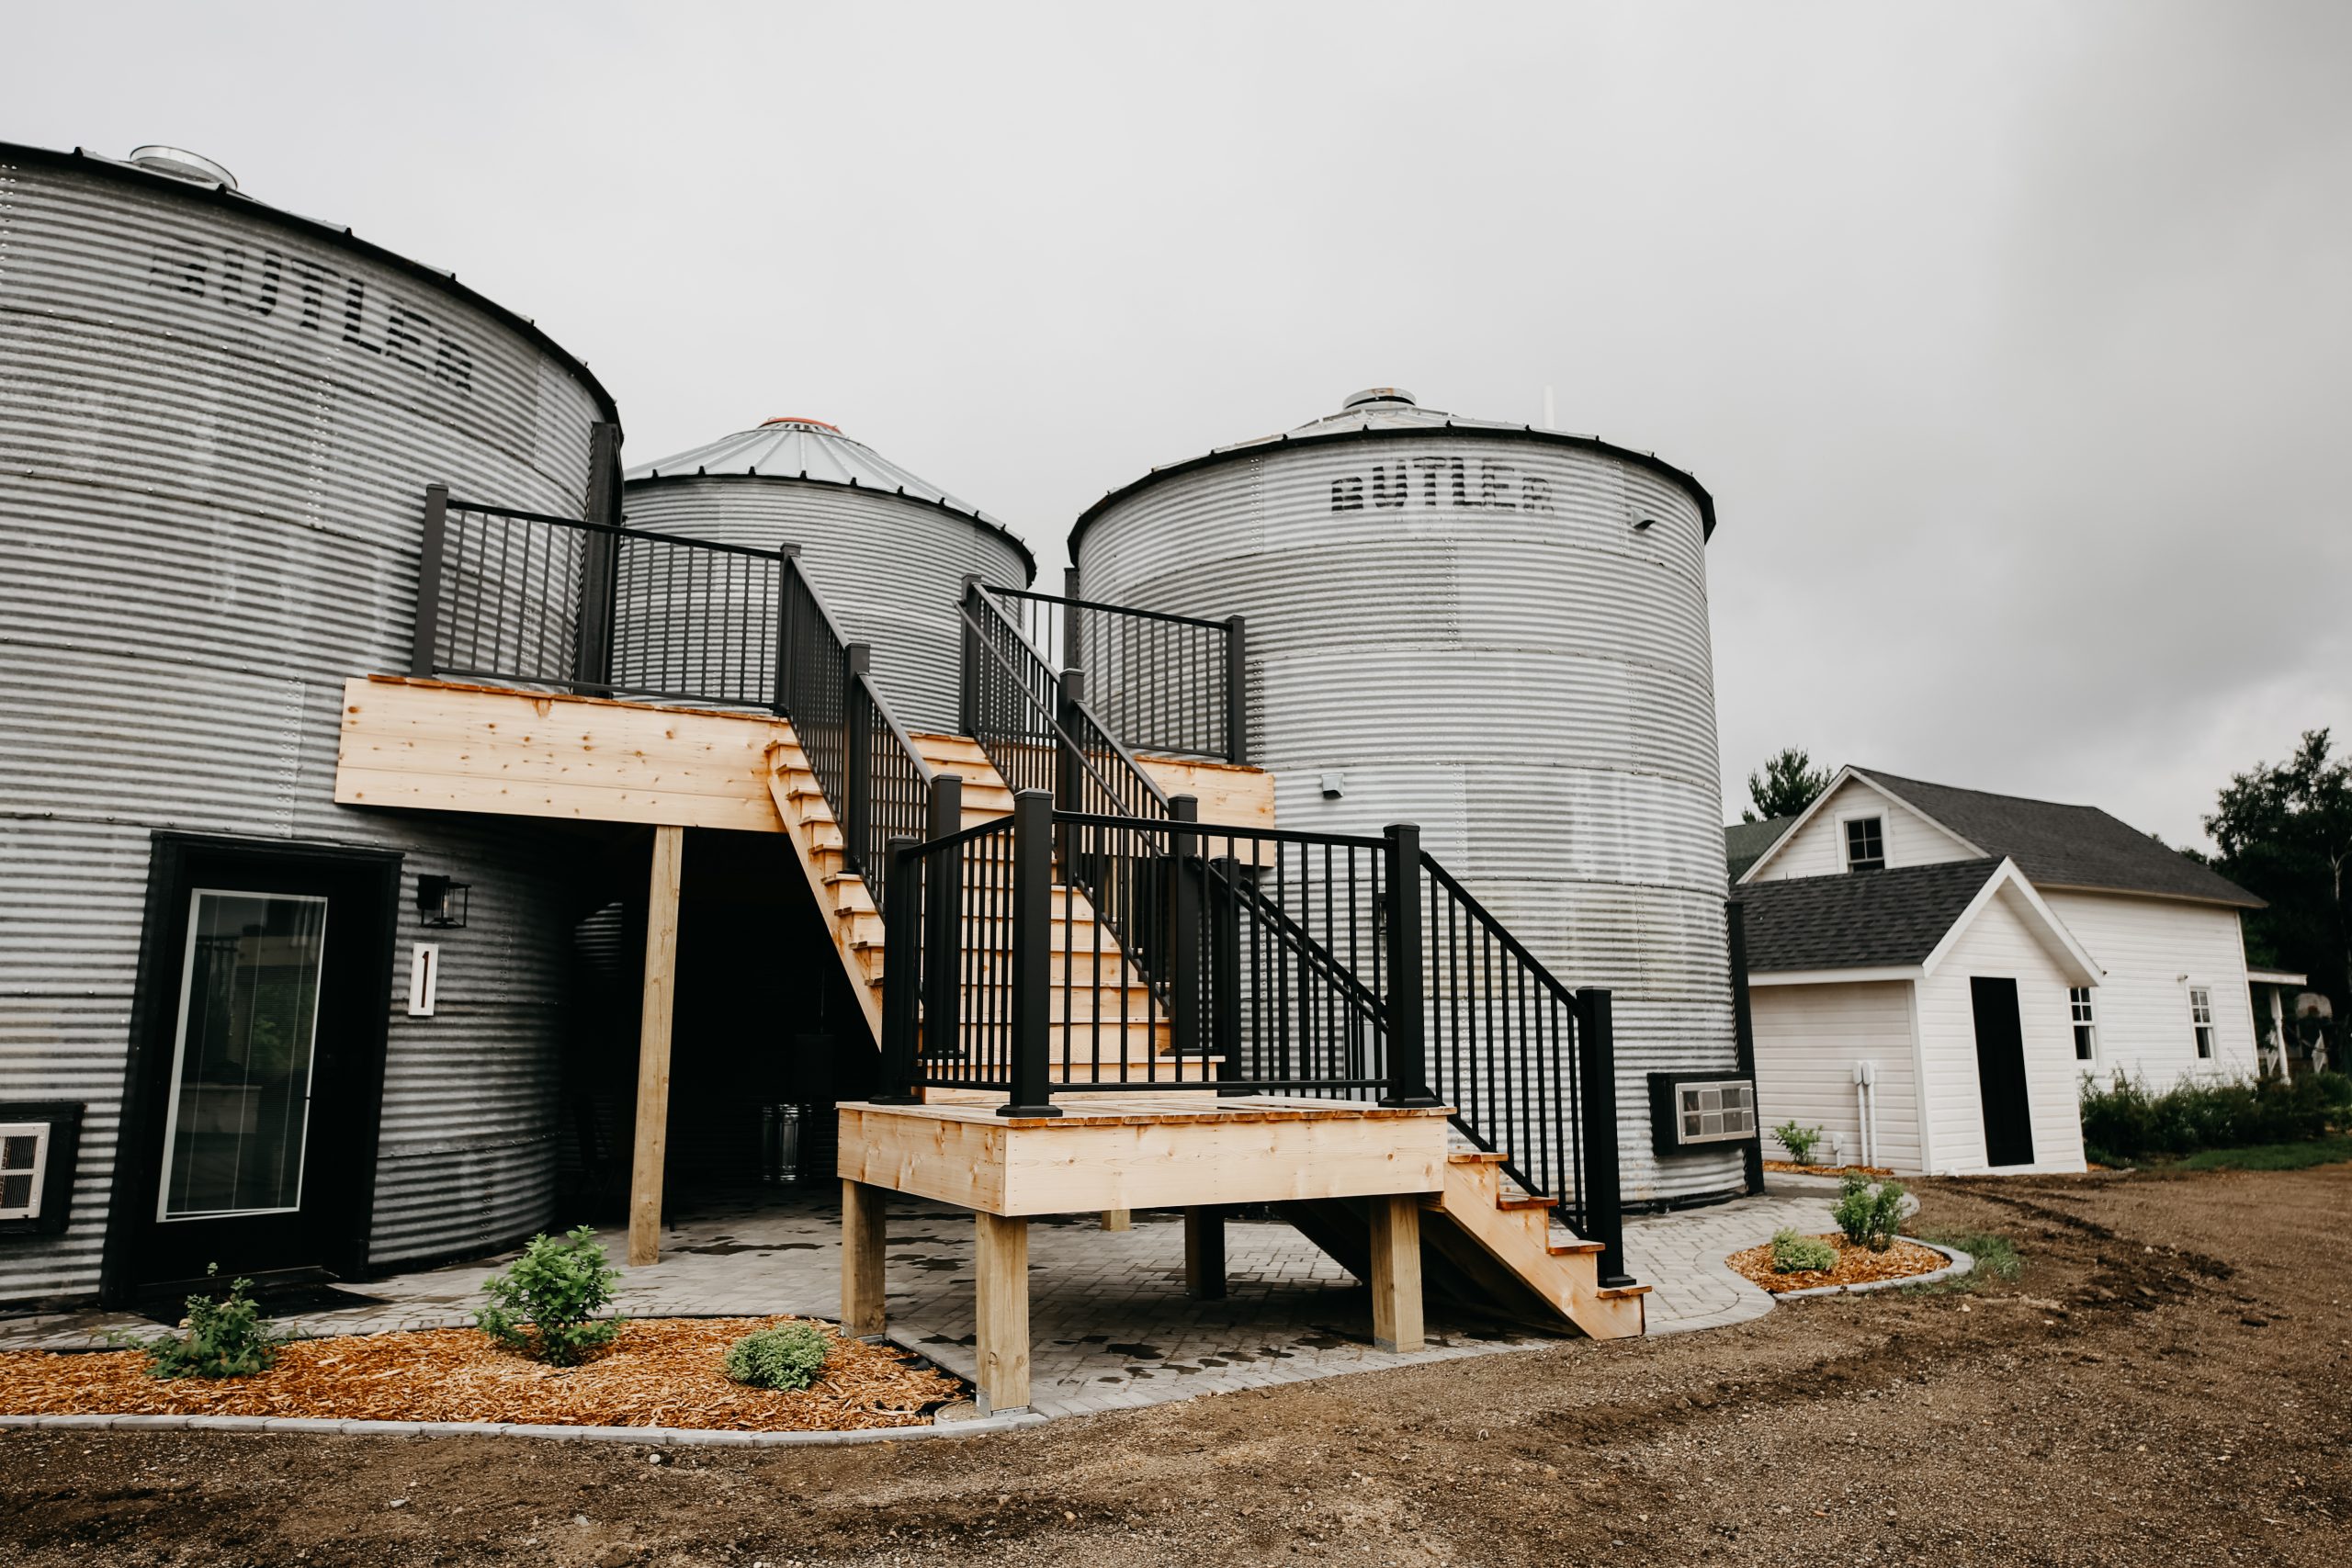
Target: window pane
point(240, 1082)
point(16, 1191)
point(18, 1153)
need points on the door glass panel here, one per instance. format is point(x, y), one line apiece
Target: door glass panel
point(240, 1072)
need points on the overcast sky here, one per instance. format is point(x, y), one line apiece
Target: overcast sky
point(2015, 341)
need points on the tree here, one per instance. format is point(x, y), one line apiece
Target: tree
point(1787, 785)
point(2285, 835)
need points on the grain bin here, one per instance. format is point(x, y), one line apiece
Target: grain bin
point(217, 422)
point(1499, 632)
point(888, 551)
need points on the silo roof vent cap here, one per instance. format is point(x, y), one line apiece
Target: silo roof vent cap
point(800, 421)
point(1374, 396)
point(183, 164)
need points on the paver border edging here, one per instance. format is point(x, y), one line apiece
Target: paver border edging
point(663, 1436)
point(1961, 1263)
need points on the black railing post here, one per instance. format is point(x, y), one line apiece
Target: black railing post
point(1224, 968)
point(1184, 928)
point(1032, 956)
point(1069, 764)
point(968, 688)
point(787, 602)
point(943, 909)
point(1743, 1035)
point(1600, 1207)
point(1071, 651)
point(1408, 1071)
point(857, 755)
point(902, 973)
point(1236, 689)
point(599, 562)
point(425, 638)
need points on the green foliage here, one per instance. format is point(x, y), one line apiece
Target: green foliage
point(2285, 833)
point(1799, 1141)
point(545, 1306)
point(1794, 1253)
point(2272, 1156)
point(224, 1339)
point(1868, 1215)
point(1996, 1258)
point(1787, 785)
point(2124, 1121)
point(786, 1358)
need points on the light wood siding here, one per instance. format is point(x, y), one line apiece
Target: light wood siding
point(1999, 941)
point(1817, 848)
point(1808, 1039)
point(2146, 945)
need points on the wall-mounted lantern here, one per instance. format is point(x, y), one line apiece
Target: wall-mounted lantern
point(442, 902)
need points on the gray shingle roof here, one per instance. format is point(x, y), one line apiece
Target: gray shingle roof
point(1858, 920)
point(1745, 842)
point(2067, 846)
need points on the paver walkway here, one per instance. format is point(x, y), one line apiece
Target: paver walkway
point(1110, 1322)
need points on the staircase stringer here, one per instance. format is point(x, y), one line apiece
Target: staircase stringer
point(803, 812)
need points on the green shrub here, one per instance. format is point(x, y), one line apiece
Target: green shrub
point(1794, 1253)
point(555, 1288)
point(1996, 1258)
point(786, 1358)
point(1799, 1141)
point(224, 1339)
point(2124, 1121)
point(1868, 1215)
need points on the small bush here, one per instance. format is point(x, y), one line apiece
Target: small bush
point(2125, 1121)
point(1799, 1141)
point(224, 1339)
point(786, 1358)
point(1868, 1215)
point(1996, 1258)
point(1794, 1253)
point(545, 1306)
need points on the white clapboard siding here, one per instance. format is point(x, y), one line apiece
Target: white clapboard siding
point(1999, 942)
point(1808, 1039)
point(1817, 848)
point(2152, 951)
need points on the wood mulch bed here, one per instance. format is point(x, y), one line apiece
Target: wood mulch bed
point(1790, 1167)
point(656, 1372)
point(1856, 1265)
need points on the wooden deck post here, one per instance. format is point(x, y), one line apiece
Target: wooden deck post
point(653, 1047)
point(1204, 1253)
point(864, 1235)
point(1118, 1219)
point(1000, 1325)
point(1397, 1271)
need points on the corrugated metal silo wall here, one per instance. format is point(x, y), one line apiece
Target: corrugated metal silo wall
point(214, 434)
point(1520, 673)
point(891, 571)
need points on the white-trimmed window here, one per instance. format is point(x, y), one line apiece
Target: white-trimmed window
point(24, 1156)
point(2078, 1002)
point(2200, 1021)
point(1865, 844)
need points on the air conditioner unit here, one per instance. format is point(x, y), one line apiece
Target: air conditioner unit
point(1694, 1111)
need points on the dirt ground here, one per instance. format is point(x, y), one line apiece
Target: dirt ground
point(2169, 1381)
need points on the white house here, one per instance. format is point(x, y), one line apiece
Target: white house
point(1975, 956)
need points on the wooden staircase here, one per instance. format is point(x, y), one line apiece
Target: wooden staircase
point(1092, 977)
point(1491, 1247)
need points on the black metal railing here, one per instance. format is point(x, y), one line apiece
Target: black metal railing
point(1245, 960)
point(873, 775)
point(1160, 683)
point(524, 598)
point(1522, 1059)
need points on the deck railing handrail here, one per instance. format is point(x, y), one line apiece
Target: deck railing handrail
point(1160, 681)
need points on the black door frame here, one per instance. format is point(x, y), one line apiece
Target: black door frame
point(154, 1017)
point(2010, 1099)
